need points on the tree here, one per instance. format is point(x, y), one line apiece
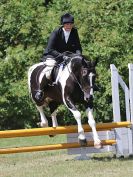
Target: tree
point(105, 29)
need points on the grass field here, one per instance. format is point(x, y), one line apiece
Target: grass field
point(58, 163)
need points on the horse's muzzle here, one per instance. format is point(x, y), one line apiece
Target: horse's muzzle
point(88, 93)
point(88, 98)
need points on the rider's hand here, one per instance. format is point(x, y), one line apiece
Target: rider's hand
point(78, 52)
point(65, 57)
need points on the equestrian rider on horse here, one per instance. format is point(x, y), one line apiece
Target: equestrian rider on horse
point(63, 39)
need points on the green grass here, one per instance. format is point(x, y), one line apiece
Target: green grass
point(58, 163)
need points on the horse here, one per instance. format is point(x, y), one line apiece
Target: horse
point(75, 85)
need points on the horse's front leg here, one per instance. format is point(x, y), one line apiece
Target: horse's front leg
point(54, 119)
point(77, 116)
point(81, 137)
point(44, 122)
point(91, 121)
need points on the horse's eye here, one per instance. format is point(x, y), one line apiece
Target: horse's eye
point(84, 72)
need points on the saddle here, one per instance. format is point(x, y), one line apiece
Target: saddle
point(59, 66)
point(61, 60)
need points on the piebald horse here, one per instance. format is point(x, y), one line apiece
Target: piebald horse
point(75, 85)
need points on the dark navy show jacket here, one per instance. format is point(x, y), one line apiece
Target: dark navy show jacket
point(57, 42)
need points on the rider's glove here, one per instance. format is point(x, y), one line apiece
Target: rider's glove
point(65, 58)
point(78, 52)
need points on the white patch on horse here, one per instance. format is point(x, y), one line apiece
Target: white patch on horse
point(59, 73)
point(31, 69)
point(91, 76)
point(77, 115)
point(65, 75)
point(46, 71)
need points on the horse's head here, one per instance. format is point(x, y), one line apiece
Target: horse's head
point(85, 73)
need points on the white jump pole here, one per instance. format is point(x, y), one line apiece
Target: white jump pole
point(128, 116)
point(130, 66)
point(116, 108)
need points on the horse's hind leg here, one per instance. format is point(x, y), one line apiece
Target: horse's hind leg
point(91, 121)
point(44, 122)
point(53, 106)
point(54, 121)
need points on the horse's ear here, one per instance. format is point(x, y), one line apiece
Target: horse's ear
point(89, 64)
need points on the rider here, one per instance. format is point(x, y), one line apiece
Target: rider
point(63, 39)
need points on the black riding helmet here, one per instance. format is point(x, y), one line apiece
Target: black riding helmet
point(67, 18)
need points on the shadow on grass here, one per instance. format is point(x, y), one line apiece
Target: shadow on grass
point(110, 158)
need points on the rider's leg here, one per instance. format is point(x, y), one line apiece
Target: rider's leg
point(44, 77)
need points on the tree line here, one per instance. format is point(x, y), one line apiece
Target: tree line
point(106, 32)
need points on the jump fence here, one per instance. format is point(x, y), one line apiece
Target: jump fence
point(55, 131)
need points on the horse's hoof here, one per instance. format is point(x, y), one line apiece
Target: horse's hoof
point(83, 143)
point(98, 145)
